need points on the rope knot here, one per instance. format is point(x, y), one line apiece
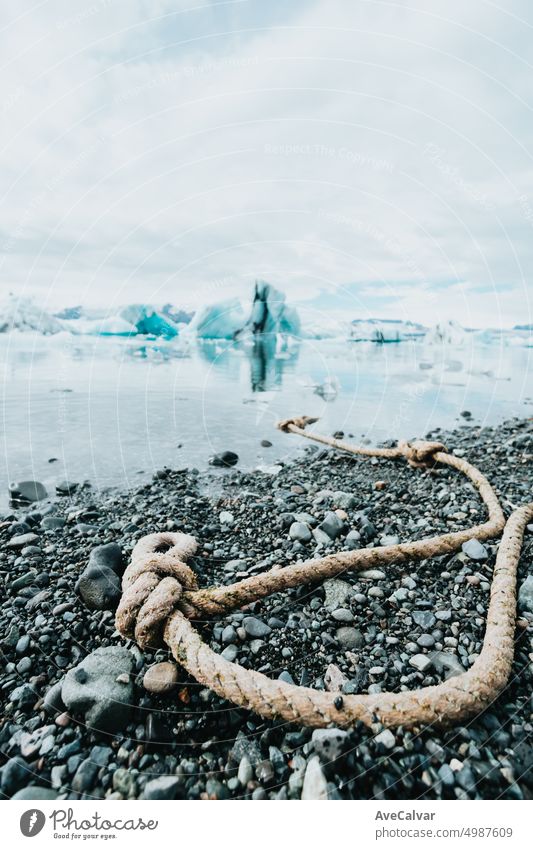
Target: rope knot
point(153, 584)
point(420, 453)
point(297, 421)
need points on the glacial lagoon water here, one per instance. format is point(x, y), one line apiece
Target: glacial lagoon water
point(112, 411)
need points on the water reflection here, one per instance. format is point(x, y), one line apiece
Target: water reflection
point(270, 357)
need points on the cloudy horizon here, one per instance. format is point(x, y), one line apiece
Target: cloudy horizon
point(369, 158)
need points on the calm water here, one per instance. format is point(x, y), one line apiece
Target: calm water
point(111, 411)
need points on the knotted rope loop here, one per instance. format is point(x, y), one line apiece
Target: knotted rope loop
point(153, 584)
point(298, 421)
point(420, 453)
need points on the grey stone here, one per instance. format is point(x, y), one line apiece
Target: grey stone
point(349, 638)
point(447, 663)
point(300, 532)
point(224, 459)
point(475, 550)
point(99, 584)
point(109, 555)
point(100, 687)
point(426, 641)
point(372, 574)
point(424, 618)
point(328, 743)
point(27, 492)
point(85, 775)
point(443, 615)
point(321, 538)
point(14, 773)
point(389, 539)
point(421, 662)
point(35, 793)
point(315, 785)
point(386, 739)
point(446, 775)
point(334, 679)
point(255, 627)
point(230, 653)
point(525, 595)
point(22, 540)
point(342, 615)
point(245, 746)
point(164, 787)
point(344, 500)
point(332, 525)
point(353, 540)
point(66, 488)
point(99, 587)
point(229, 635)
point(336, 593)
point(245, 772)
point(23, 644)
point(53, 703)
point(124, 782)
point(23, 696)
point(52, 523)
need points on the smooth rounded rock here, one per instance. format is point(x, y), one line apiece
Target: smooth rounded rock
point(161, 678)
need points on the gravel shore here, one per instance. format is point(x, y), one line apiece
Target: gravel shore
point(62, 734)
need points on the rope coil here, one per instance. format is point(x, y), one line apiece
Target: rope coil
point(161, 596)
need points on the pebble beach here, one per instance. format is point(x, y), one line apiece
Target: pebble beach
point(87, 714)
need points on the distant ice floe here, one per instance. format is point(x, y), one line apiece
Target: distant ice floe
point(23, 314)
point(446, 333)
point(383, 331)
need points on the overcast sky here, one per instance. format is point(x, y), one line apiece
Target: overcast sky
point(369, 157)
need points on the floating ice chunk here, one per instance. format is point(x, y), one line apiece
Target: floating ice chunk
point(23, 314)
point(329, 389)
point(385, 330)
point(447, 333)
point(111, 326)
point(270, 313)
point(221, 320)
point(149, 321)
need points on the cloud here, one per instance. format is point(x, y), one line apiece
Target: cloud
point(165, 151)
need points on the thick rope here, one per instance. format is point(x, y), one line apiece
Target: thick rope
point(160, 595)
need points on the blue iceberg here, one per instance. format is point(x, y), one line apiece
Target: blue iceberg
point(270, 312)
point(221, 320)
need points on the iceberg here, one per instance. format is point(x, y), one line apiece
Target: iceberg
point(270, 312)
point(23, 314)
point(221, 320)
point(383, 330)
point(149, 321)
point(131, 320)
point(111, 326)
point(446, 333)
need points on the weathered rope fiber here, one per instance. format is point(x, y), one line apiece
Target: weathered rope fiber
point(160, 596)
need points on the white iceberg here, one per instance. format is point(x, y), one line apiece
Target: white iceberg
point(221, 320)
point(113, 325)
point(446, 333)
point(383, 330)
point(23, 314)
